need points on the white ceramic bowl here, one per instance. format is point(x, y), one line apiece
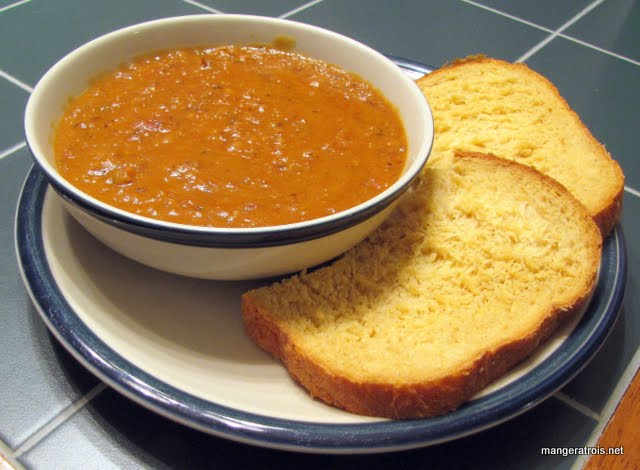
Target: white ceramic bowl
point(224, 253)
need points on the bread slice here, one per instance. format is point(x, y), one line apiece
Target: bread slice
point(488, 105)
point(474, 269)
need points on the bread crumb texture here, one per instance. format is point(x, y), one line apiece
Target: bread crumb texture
point(487, 105)
point(473, 262)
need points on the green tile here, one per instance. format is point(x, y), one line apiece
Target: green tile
point(254, 7)
point(7, 3)
point(114, 432)
point(37, 34)
point(13, 99)
point(603, 90)
point(518, 443)
point(613, 25)
point(39, 378)
point(547, 13)
point(593, 386)
point(432, 32)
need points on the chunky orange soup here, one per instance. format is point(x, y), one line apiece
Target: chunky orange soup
point(233, 136)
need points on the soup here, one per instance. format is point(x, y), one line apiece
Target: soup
point(232, 136)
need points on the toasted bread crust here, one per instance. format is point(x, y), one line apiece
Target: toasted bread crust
point(606, 213)
point(405, 401)
point(608, 217)
point(431, 397)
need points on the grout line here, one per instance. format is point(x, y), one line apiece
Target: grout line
point(15, 81)
point(557, 32)
point(204, 7)
point(507, 15)
point(635, 192)
point(8, 7)
point(599, 49)
point(627, 376)
point(58, 420)
point(13, 149)
point(299, 9)
point(611, 405)
point(7, 460)
point(576, 405)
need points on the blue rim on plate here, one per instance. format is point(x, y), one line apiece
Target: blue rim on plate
point(235, 424)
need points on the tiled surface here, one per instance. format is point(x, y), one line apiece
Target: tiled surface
point(546, 13)
point(248, 7)
point(602, 374)
point(13, 101)
point(6, 3)
point(39, 378)
point(427, 32)
point(149, 441)
point(41, 384)
point(33, 36)
point(613, 26)
point(603, 90)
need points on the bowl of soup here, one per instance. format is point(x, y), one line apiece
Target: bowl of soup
point(228, 146)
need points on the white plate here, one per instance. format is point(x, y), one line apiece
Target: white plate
point(177, 345)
